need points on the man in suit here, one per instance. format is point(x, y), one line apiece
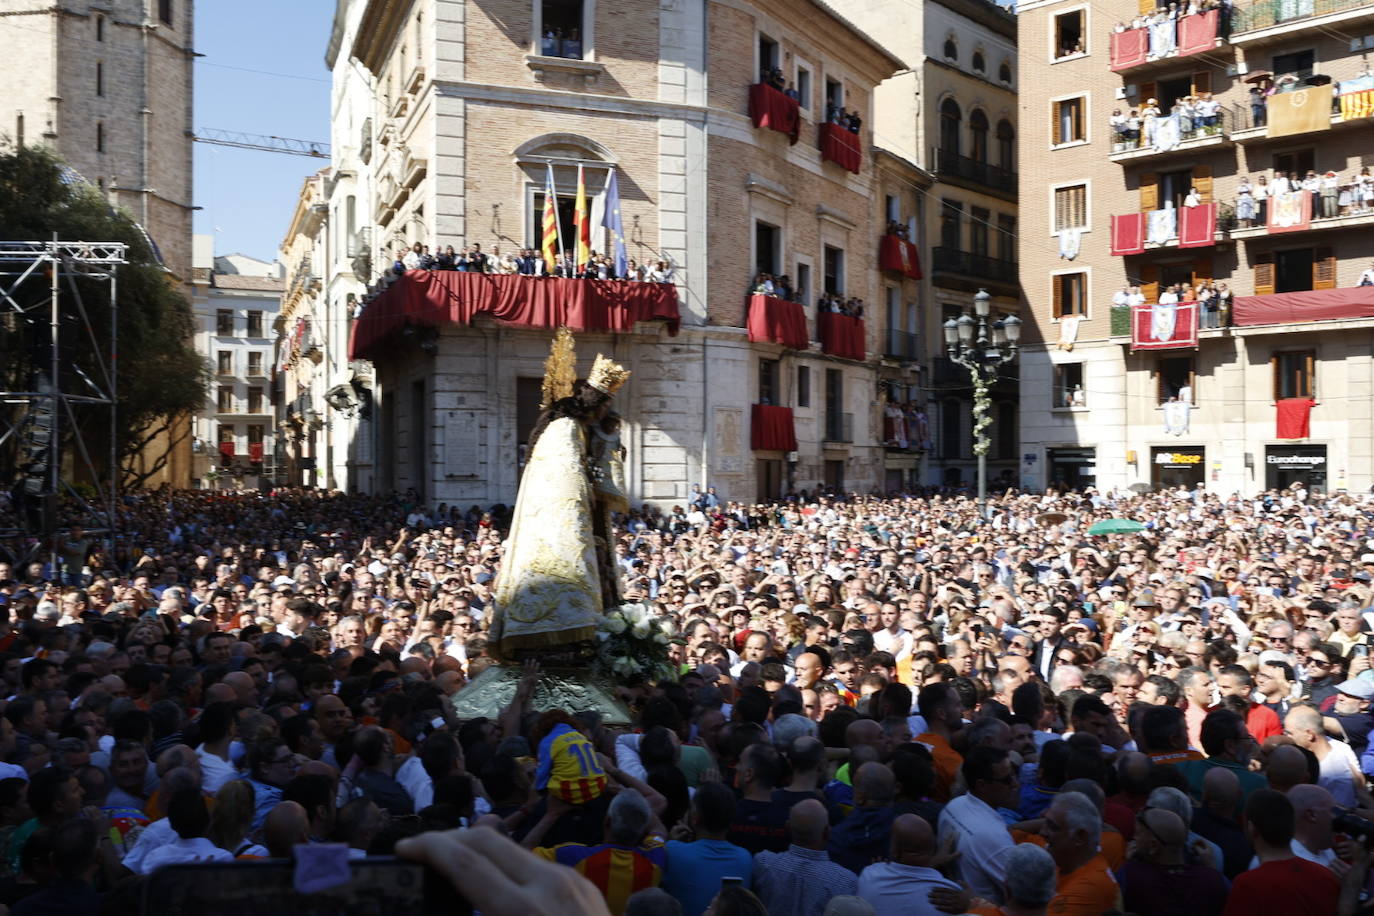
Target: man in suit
point(1047, 647)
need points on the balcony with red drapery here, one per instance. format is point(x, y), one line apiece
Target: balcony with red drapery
point(899, 256)
point(774, 109)
point(430, 298)
point(226, 451)
point(771, 429)
point(842, 335)
point(774, 320)
point(255, 452)
point(841, 147)
point(1349, 303)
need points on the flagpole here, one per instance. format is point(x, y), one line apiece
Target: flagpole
point(552, 194)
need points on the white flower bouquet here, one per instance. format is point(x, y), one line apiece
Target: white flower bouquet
point(632, 644)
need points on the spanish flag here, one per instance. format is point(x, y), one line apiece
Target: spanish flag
point(582, 222)
point(549, 247)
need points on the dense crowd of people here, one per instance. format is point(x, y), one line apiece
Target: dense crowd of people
point(527, 262)
point(882, 705)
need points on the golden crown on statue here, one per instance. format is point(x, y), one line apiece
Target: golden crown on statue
point(607, 375)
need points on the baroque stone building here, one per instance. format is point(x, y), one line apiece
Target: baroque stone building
point(473, 104)
point(107, 86)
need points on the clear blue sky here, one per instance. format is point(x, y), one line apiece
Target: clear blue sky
point(248, 196)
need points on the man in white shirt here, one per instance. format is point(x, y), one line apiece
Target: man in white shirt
point(217, 733)
point(891, 637)
point(980, 835)
point(903, 884)
point(190, 819)
point(1339, 769)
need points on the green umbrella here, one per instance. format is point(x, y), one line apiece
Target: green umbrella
point(1116, 526)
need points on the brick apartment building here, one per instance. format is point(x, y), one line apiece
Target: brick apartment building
point(107, 86)
point(473, 104)
point(1131, 389)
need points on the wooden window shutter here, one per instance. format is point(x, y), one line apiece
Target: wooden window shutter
point(1057, 285)
point(1146, 7)
point(1323, 269)
point(1202, 272)
point(1149, 283)
point(1148, 91)
point(1054, 123)
point(1202, 182)
point(1078, 132)
point(1202, 81)
point(1149, 191)
point(1274, 371)
point(1309, 390)
point(1264, 274)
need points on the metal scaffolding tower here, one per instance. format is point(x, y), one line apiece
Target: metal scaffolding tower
point(38, 286)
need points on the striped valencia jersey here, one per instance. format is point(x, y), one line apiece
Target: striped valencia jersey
point(617, 871)
point(568, 767)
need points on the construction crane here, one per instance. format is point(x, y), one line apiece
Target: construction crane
point(269, 144)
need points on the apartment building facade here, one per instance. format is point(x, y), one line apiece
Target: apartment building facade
point(476, 108)
point(235, 301)
point(1133, 375)
point(953, 111)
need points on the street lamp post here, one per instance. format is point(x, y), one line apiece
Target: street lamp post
point(982, 346)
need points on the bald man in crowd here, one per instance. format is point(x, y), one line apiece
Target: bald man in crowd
point(901, 886)
point(801, 880)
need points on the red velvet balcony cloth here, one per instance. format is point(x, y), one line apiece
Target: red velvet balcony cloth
point(771, 429)
point(841, 335)
point(1197, 226)
point(1129, 48)
point(227, 450)
point(899, 255)
point(1128, 233)
point(1294, 418)
point(1174, 333)
point(841, 147)
point(1312, 305)
point(772, 108)
point(434, 297)
point(255, 452)
point(1197, 33)
point(777, 320)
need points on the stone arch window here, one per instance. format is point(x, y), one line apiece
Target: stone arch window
point(980, 64)
point(1006, 145)
point(951, 49)
point(978, 135)
point(951, 121)
point(1004, 72)
point(563, 152)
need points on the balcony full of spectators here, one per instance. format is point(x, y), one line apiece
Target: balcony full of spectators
point(839, 138)
point(1275, 20)
point(423, 291)
point(1310, 202)
point(1292, 104)
point(774, 315)
point(1190, 124)
point(1156, 39)
point(775, 105)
